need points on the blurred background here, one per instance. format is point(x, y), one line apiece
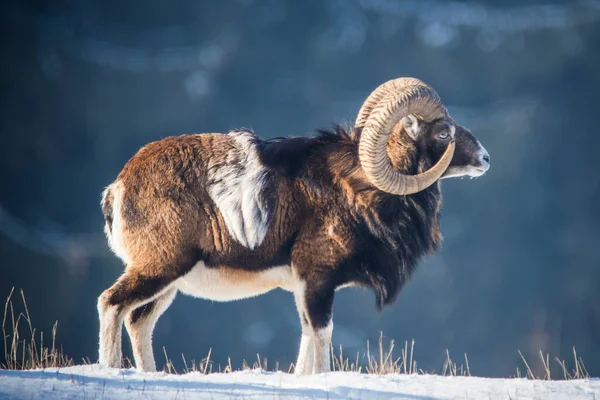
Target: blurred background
point(84, 84)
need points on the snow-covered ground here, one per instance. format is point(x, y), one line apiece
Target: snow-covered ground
point(93, 381)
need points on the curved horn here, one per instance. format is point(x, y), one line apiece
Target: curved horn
point(417, 99)
point(391, 86)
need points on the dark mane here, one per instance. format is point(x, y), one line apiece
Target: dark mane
point(289, 154)
point(337, 132)
point(393, 232)
point(400, 231)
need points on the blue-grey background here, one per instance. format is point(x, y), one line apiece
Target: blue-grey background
point(84, 84)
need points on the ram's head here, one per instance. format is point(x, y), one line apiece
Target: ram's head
point(415, 112)
point(470, 157)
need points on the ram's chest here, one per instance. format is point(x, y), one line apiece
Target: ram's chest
point(228, 284)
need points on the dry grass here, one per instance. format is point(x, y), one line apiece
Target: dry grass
point(24, 350)
point(578, 370)
point(384, 361)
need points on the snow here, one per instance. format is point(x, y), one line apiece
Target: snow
point(94, 381)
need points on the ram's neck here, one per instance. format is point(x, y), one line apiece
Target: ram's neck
point(332, 179)
point(388, 216)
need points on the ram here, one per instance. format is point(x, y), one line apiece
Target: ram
point(230, 216)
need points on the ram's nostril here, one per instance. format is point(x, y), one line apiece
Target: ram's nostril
point(486, 158)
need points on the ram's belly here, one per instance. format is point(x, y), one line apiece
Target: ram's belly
point(228, 284)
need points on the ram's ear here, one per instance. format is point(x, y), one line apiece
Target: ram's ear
point(412, 126)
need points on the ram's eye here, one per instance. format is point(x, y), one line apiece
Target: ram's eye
point(443, 135)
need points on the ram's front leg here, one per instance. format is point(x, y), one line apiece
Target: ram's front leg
point(320, 315)
point(315, 301)
point(306, 353)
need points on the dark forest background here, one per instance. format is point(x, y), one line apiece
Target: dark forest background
point(85, 84)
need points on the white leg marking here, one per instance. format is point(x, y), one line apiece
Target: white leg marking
point(140, 333)
point(112, 317)
point(322, 338)
point(306, 353)
point(110, 334)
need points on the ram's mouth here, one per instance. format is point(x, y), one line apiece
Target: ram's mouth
point(478, 171)
point(467, 170)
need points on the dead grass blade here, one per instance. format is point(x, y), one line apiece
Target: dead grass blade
point(25, 352)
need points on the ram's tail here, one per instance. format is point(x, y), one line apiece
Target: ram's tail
point(107, 209)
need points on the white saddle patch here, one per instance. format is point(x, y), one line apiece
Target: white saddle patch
point(237, 184)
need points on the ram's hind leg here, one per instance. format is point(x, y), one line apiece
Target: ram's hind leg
point(140, 284)
point(140, 324)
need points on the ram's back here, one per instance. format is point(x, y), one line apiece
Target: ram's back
point(207, 193)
